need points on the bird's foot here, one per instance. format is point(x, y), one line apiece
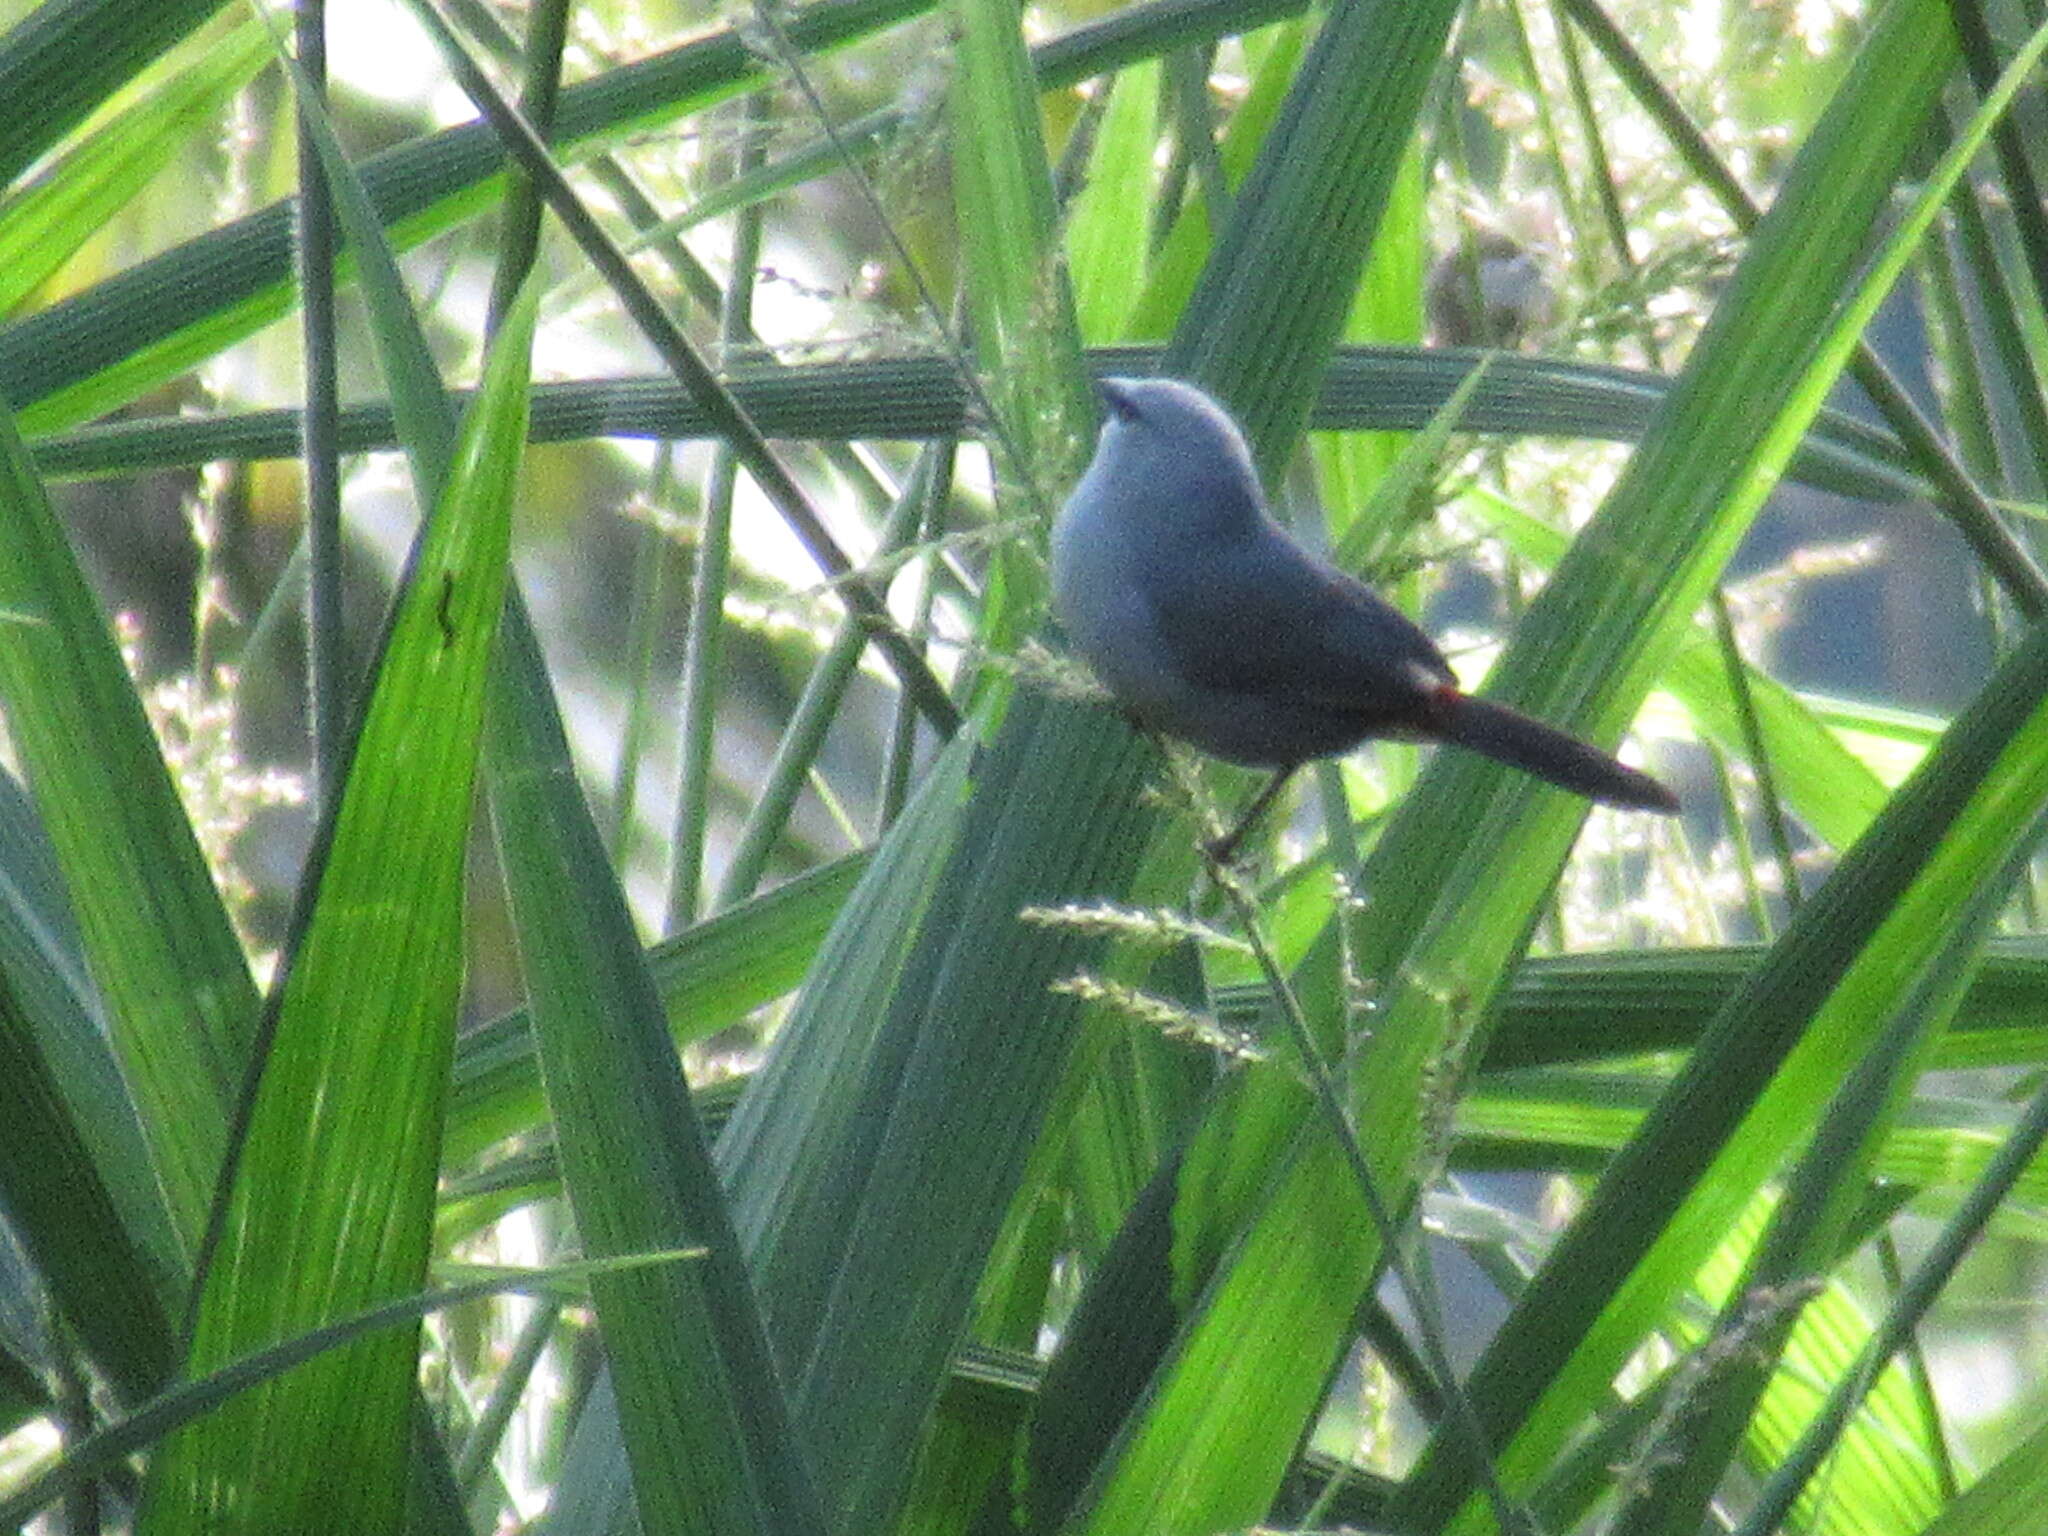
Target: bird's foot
point(1223, 851)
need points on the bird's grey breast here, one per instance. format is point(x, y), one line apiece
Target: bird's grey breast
point(1101, 562)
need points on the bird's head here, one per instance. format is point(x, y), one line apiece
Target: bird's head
point(1169, 450)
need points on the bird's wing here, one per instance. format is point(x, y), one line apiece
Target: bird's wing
point(1269, 620)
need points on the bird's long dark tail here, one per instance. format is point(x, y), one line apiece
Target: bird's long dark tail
point(1513, 738)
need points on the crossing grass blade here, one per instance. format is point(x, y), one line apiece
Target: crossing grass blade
point(701, 1409)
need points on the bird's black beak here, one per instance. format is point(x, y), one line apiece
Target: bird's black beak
point(1116, 395)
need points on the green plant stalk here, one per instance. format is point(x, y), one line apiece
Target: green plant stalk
point(540, 94)
point(1187, 74)
point(895, 788)
point(1555, 161)
point(1999, 304)
point(1922, 1378)
point(796, 754)
point(704, 637)
point(1757, 750)
point(2015, 166)
point(480, 1445)
point(647, 609)
point(1958, 366)
point(1605, 189)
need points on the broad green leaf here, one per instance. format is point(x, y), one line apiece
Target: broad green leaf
point(331, 1203)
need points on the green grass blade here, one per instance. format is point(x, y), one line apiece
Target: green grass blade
point(710, 976)
point(1262, 321)
point(1374, 478)
point(1177, 265)
point(64, 1215)
point(189, 1401)
point(80, 1194)
point(68, 56)
point(949, 1132)
point(1025, 339)
point(46, 220)
point(701, 1410)
point(864, 1307)
point(805, 1104)
point(1366, 388)
point(1105, 240)
point(180, 1005)
point(331, 1205)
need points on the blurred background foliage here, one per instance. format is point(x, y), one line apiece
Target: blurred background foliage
point(1012, 1206)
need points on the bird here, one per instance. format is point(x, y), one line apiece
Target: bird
point(1493, 296)
point(1207, 622)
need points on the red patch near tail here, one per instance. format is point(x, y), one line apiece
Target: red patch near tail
point(1443, 699)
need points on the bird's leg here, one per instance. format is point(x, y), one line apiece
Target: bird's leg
point(1224, 848)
